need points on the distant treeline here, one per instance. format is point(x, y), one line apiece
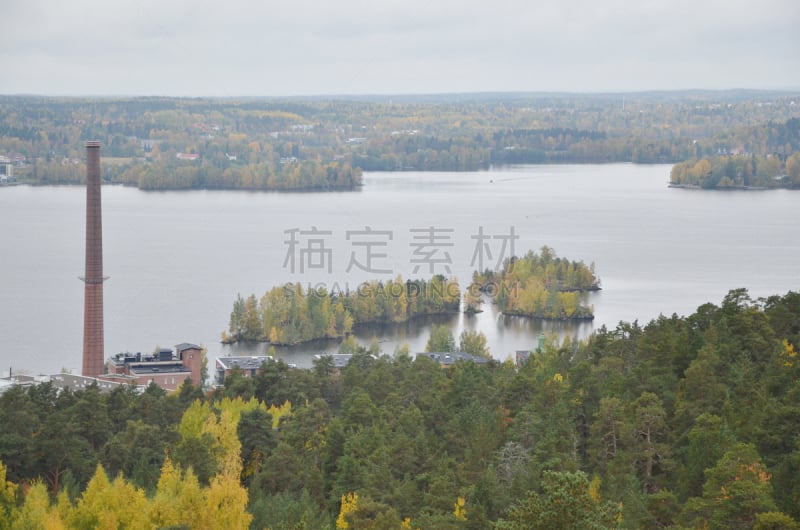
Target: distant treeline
point(175, 143)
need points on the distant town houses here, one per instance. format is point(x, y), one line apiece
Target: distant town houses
point(148, 144)
point(208, 127)
point(14, 159)
point(4, 177)
point(7, 165)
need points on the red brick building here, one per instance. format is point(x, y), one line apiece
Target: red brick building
point(164, 368)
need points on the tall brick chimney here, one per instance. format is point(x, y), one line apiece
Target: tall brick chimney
point(93, 341)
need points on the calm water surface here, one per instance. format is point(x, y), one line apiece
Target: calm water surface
point(178, 259)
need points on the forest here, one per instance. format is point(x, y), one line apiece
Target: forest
point(685, 422)
point(325, 143)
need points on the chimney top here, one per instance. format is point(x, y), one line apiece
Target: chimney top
point(93, 143)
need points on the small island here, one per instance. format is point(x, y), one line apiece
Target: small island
point(541, 285)
point(292, 314)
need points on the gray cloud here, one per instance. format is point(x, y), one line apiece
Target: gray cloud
point(243, 47)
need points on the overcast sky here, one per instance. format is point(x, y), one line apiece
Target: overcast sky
point(319, 47)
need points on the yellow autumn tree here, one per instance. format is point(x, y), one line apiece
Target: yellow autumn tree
point(36, 512)
point(223, 429)
point(193, 419)
point(237, 406)
point(200, 418)
point(162, 510)
point(349, 504)
point(63, 506)
point(459, 509)
point(8, 497)
point(108, 505)
point(178, 500)
point(277, 413)
point(226, 503)
point(788, 355)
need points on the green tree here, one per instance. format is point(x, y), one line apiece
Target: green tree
point(17, 410)
point(709, 439)
point(473, 342)
point(608, 431)
point(60, 449)
point(138, 452)
point(440, 340)
point(737, 488)
point(775, 521)
point(564, 502)
point(284, 511)
point(258, 439)
point(649, 423)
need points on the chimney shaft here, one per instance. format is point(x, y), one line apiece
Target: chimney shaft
point(93, 340)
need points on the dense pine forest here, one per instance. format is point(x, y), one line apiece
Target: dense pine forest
point(325, 143)
point(683, 422)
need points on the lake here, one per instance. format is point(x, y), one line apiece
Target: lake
point(177, 260)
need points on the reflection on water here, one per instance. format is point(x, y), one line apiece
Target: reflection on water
point(505, 335)
point(531, 327)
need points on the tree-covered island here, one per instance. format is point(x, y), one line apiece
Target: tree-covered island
point(292, 313)
point(541, 285)
point(536, 285)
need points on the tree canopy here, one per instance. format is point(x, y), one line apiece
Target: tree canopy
point(685, 422)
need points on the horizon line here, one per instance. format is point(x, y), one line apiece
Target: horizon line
point(483, 93)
